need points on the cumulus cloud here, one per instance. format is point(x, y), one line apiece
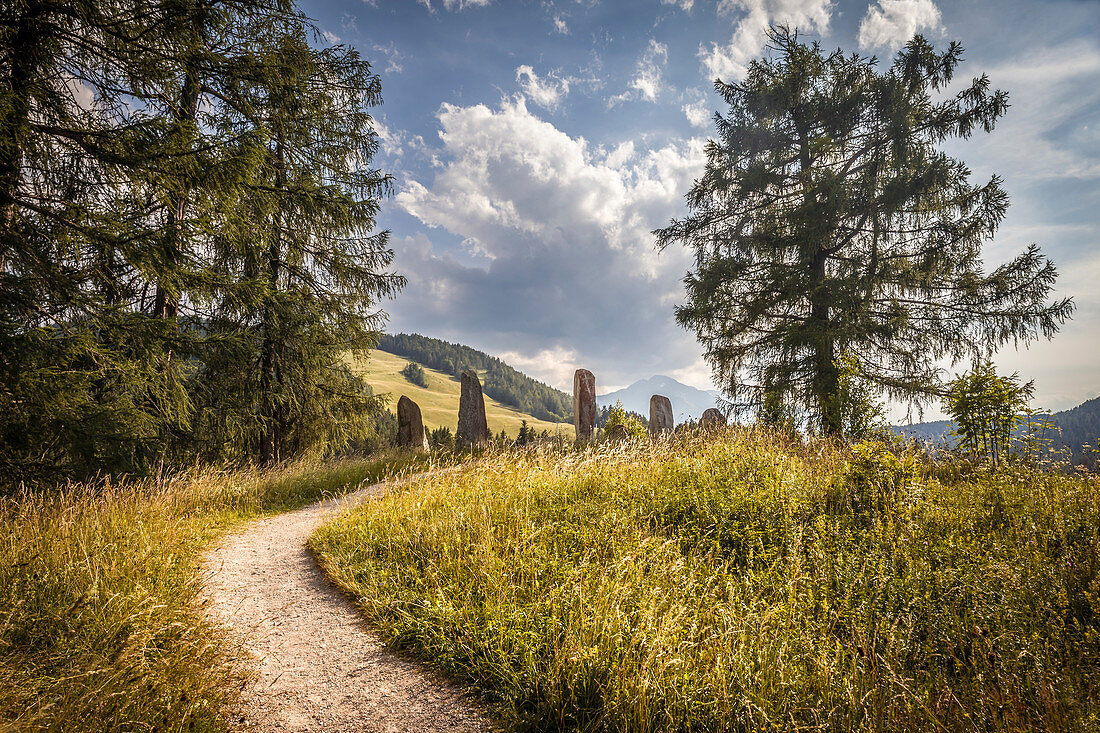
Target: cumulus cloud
point(394, 58)
point(891, 23)
point(565, 230)
point(730, 61)
point(560, 26)
point(455, 4)
point(684, 5)
point(698, 113)
point(647, 82)
point(547, 91)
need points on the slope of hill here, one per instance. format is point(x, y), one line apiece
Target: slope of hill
point(1073, 428)
point(498, 380)
point(439, 400)
point(688, 403)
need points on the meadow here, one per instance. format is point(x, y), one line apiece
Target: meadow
point(101, 623)
point(439, 400)
point(741, 581)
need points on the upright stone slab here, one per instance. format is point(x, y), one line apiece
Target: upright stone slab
point(712, 418)
point(660, 415)
point(410, 425)
point(584, 403)
point(473, 430)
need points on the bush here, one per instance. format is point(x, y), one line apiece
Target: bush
point(986, 409)
point(415, 374)
point(632, 425)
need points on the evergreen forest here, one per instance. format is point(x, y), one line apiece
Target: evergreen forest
point(187, 236)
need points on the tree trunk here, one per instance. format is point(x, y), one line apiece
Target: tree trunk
point(27, 54)
point(166, 300)
point(271, 439)
point(825, 384)
point(826, 379)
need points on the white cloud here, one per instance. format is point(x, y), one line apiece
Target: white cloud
point(330, 37)
point(685, 5)
point(891, 23)
point(730, 61)
point(456, 4)
point(647, 82)
point(560, 26)
point(80, 92)
point(698, 113)
point(565, 230)
point(547, 91)
point(553, 366)
point(389, 141)
point(394, 58)
point(648, 79)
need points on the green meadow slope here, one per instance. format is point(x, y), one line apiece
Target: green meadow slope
point(439, 400)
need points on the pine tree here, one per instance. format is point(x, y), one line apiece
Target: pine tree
point(828, 225)
point(84, 388)
point(302, 268)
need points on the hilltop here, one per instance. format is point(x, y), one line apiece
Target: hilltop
point(439, 400)
point(500, 381)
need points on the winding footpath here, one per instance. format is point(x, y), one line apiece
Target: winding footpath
point(318, 667)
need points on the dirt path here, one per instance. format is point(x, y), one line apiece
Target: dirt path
point(318, 667)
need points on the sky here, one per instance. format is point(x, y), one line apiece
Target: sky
point(536, 144)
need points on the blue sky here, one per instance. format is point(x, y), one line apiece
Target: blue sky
point(536, 144)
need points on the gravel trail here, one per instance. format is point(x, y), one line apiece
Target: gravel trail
point(318, 667)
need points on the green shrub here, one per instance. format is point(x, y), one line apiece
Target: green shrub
point(415, 374)
point(633, 427)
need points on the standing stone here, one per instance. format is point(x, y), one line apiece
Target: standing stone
point(660, 415)
point(473, 430)
point(410, 425)
point(712, 418)
point(584, 403)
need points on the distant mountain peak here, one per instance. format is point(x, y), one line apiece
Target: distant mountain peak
point(688, 403)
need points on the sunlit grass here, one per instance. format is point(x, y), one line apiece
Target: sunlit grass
point(741, 582)
point(438, 401)
point(101, 627)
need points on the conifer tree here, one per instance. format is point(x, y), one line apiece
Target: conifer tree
point(827, 225)
point(301, 265)
point(83, 385)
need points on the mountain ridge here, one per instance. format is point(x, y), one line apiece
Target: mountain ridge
point(688, 403)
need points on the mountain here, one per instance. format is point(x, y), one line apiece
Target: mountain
point(688, 403)
point(1073, 428)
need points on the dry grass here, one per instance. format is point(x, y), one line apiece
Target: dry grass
point(741, 582)
point(100, 623)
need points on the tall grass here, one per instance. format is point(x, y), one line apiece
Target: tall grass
point(741, 582)
point(100, 620)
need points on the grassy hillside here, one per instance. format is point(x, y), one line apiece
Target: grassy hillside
point(741, 582)
point(499, 380)
point(439, 401)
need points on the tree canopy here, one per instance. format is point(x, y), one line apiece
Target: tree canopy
point(828, 223)
point(187, 244)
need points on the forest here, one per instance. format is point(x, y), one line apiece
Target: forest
point(187, 237)
point(498, 380)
